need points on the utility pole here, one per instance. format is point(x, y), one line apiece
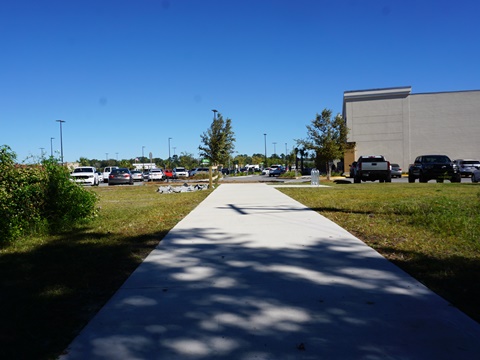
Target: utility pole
point(61, 139)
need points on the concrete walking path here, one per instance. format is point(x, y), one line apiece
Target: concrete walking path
point(252, 274)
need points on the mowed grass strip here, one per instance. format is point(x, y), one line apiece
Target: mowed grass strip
point(51, 286)
point(432, 231)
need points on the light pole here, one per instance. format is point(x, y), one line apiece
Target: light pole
point(143, 160)
point(265, 138)
point(42, 150)
point(169, 158)
point(215, 114)
point(51, 146)
point(61, 139)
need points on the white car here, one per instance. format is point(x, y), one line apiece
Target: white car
point(180, 172)
point(85, 175)
point(107, 171)
point(156, 175)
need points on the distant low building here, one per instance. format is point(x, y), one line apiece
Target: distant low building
point(400, 125)
point(142, 166)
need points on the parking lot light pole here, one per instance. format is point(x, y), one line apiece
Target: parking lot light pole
point(143, 160)
point(169, 158)
point(51, 146)
point(286, 160)
point(61, 139)
point(265, 137)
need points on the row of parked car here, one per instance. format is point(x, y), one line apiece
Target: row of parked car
point(114, 175)
point(424, 168)
point(440, 168)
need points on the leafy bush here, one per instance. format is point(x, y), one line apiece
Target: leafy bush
point(67, 203)
point(288, 174)
point(39, 198)
point(19, 201)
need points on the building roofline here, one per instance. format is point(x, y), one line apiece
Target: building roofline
point(445, 92)
point(379, 89)
point(394, 92)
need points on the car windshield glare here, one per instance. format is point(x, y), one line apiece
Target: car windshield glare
point(79, 170)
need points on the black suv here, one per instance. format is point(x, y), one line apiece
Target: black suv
point(438, 167)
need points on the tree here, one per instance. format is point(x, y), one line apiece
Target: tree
point(84, 161)
point(187, 160)
point(327, 137)
point(218, 141)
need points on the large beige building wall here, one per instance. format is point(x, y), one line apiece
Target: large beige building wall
point(446, 123)
point(400, 125)
point(378, 122)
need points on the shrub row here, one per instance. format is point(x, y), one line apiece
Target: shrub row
point(39, 198)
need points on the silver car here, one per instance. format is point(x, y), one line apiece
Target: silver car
point(396, 170)
point(156, 175)
point(467, 166)
point(137, 175)
point(180, 172)
point(120, 176)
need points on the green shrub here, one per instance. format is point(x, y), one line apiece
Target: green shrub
point(39, 198)
point(66, 203)
point(289, 174)
point(20, 199)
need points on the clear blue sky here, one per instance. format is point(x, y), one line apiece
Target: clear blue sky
point(130, 73)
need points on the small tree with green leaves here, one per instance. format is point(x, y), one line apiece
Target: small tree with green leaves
point(218, 141)
point(327, 137)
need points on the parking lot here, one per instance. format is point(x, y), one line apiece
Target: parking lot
point(264, 178)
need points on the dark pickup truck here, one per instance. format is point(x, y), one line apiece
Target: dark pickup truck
point(433, 167)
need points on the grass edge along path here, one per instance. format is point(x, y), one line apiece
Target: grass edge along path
point(51, 286)
point(431, 231)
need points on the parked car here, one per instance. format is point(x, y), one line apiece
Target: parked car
point(168, 173)
point(276, 171)
point(433, 167)
point(180, 172)
point(146, 175)
point(199, 170)
point(85, 175)
point(476, 176)
point(106, 172)
point(156, 175)
point(372, 168)
point(137, 175)
point(120, 176)
point(396, 171)
point(266, 171)
point(467, 166)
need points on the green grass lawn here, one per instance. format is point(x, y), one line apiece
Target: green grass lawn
point(51, 286)
point(432, 231)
